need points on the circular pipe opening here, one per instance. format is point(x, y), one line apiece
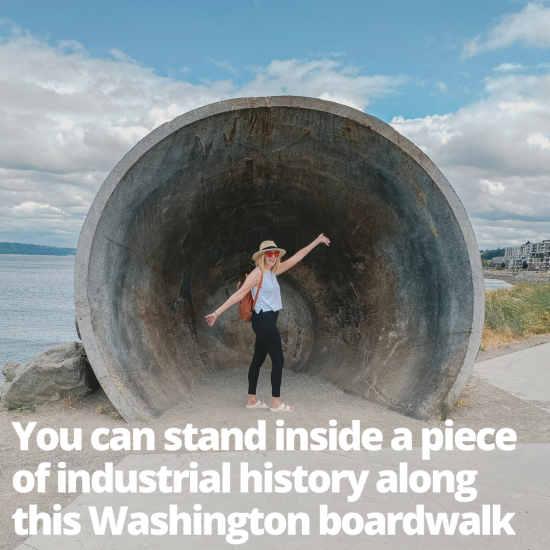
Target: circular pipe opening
point(391, 311)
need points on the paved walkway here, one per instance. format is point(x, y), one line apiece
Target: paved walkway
point(525, 374)
point(516, 480)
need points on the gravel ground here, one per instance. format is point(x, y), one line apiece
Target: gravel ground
point(218, 401)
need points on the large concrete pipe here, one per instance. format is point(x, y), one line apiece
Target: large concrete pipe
point(391, 311)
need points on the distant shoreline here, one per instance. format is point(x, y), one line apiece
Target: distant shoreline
point(21, 249)
point(41, 255)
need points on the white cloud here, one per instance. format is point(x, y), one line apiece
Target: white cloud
point(531, 26)
point(323, 78)
point(541, 141)
point(493, 187)
point(120, 55)
point(493, 235)
point(509, 67)
point(224, 65)
point(67, 118)
point(31, 209)
point(495, 153)
point(441, 87)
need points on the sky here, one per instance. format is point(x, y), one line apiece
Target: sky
point(82, 82)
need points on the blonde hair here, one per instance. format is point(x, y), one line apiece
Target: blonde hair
point(260, 263)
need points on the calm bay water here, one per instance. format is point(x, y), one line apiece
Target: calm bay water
point(36, 305)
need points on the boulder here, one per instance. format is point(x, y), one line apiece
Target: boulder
point(50, 376)
point(11, 369)
point(3, 388)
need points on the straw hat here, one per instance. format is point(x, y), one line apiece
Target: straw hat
point(268, 245)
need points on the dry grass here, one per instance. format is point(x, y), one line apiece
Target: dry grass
point(492, 339)
point(72, 402)
point(109, 410)
point(517, 314)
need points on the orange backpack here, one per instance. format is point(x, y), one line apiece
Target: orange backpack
point(246, 305)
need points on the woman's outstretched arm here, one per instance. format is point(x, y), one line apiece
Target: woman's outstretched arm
point(252, 280)
point(301, 254)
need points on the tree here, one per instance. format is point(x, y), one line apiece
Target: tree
point(525, 265)
point(490, 254)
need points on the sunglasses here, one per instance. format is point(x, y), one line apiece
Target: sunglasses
point(273, 253)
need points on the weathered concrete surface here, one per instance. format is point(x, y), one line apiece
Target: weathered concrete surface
point(392, 311)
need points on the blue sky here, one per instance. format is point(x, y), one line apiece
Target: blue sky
point(468, 82)
point(215, 40)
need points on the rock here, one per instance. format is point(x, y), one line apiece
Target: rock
point(3, 388)
point(50, 376)
point(11, 369)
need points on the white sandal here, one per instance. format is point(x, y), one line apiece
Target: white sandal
point(258, 405)
point(282, 408)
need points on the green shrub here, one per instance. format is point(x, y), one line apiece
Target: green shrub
point(26, 409)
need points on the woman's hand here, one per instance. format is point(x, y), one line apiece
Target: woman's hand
point(211, 319)
point(322, 239)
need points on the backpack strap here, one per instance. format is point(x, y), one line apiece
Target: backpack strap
point(259, 286)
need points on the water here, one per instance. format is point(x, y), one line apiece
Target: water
point(496, 284)
point(36, 305)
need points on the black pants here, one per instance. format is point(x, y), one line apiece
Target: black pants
point(268, 340)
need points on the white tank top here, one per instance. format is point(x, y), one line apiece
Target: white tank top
point(270, 294)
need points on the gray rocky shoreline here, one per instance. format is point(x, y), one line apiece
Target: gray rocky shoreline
point(520, 276)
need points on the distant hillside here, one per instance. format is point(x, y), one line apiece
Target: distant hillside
point(35, 250)
point(490, 254)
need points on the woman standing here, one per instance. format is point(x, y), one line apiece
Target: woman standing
point(264, 317)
